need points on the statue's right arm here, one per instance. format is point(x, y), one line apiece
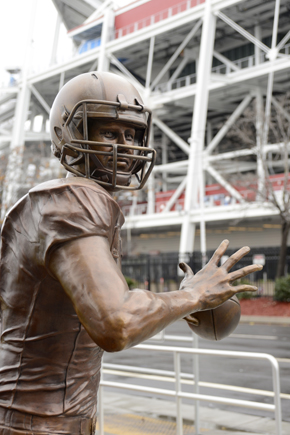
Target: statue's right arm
point(116, 317)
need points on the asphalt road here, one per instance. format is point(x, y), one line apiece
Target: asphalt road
point(224, 371)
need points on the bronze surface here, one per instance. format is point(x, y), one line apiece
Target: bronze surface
point(64, 299)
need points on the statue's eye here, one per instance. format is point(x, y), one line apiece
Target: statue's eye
point(129, 136)
point(109, 134)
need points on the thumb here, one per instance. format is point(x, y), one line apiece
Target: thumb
point(192, 320)
point(186, 269)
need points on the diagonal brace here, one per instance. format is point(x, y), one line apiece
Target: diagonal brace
point(175, 196)
point(228, 124)
point(220, 179)
point(242, 31)
point(172, 135)
point(176, 53)
point(226, 61)
point(283, 41)
point(39, 98)
point(124, 70)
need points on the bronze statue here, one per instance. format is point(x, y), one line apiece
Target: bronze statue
point(64, 299)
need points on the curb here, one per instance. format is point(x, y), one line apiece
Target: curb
point(272, 320)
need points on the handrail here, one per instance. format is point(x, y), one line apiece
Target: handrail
point(177, 351)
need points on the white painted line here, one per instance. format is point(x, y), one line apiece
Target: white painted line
point(258, 337)
point(283, 360)
point(201, 384)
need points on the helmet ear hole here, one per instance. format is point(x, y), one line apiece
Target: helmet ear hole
point(58, 132)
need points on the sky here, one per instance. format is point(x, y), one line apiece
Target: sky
point(15, 30)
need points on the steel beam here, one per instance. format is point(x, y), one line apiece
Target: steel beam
point(39, 97)
point(94, 65)
point(178, 70)
point(171, 167)
point(61, 80)
point(280, 108)
point(226, 61)
point(242, 31)
point(55, 40)
point(176, 53)
point(229, 123)
point(233, 78)
point(108, 26)
point(198, 126)
point(171, 134)
point(175, 196)
point(220, 179)
point(283, 41)
point(211, 214)
point(125, 71)
point(150, 62)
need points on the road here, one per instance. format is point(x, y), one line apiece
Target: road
point(222, 372)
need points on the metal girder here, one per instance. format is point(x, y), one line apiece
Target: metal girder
point(150, 62)
point(235, 77)
point(171, 167)
point(171, 134)
point(211, 214)
point(229, 123)
point(175, 196)
point(220, 179)
point(125, 71)
point(283, 41)
point(198, 126)
point(94, 65)
point(280, 108)
point(176, 53)
point(108, 24)
point(226, 61)
point(242, 31)
point(178, 70)
point(40, 98)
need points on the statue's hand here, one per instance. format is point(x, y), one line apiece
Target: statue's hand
point(212, 285)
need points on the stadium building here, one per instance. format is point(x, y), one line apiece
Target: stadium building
point(215, 74)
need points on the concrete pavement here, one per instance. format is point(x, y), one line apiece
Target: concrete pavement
point(135, 415)
point(127, 414)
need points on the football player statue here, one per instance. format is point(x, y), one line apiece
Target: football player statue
point(64, 299)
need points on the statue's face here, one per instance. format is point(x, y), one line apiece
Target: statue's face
point(113, 132)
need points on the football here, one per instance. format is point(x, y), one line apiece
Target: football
point(218, 323)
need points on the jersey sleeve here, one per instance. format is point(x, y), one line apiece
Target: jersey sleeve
point(73, 213)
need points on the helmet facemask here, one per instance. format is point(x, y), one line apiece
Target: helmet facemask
point(79, 151)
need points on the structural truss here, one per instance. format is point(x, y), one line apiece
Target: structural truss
point(200, 66)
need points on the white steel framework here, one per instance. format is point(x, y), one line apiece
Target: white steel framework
point(199, 65)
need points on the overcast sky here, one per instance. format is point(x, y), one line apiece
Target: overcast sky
point(15, 29)
point(15, 24)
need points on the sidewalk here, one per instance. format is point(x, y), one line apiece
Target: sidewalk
point(269, 320)
point(135, 415)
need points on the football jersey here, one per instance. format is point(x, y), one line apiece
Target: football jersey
point(49, 365)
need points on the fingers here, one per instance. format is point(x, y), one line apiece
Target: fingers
point(245, 288)
point(233, 259)
point(192, 320)
point(186, 269)
point(237, 274)
point(219, 252)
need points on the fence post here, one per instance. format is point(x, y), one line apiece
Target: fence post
point(179, 428)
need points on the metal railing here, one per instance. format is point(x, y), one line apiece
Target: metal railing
point(158, 16)
point(245, 62)
point(179, 394)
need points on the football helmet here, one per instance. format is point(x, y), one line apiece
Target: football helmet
point(102, 97)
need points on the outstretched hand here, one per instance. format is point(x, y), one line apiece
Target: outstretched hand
point(212, 285)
